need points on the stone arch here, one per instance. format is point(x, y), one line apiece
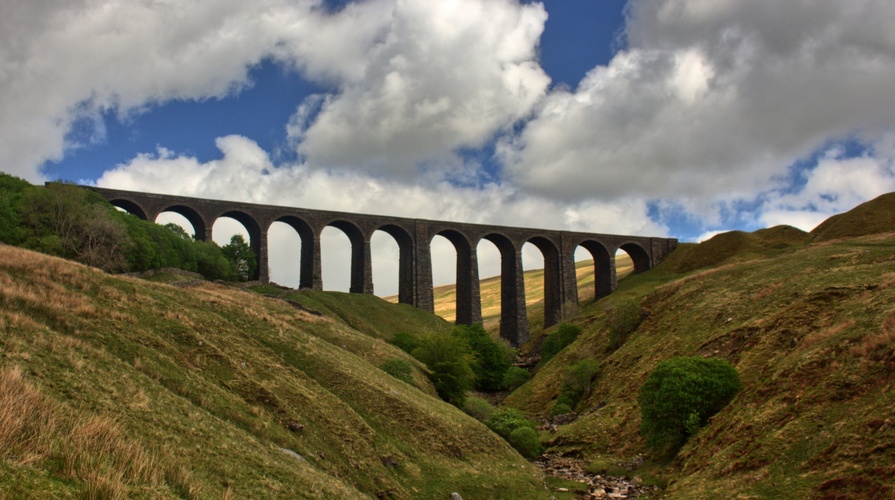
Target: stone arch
point(200, 226)
point(257, 242)
point(513, 318)
point(552, 279)
point(131, 207)
point(639, 255)
point(468, 296)
point(361, 273)
point(604, 268)
point(309, 261)
point(405, 261)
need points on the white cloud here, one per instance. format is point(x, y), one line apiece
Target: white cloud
point(713, 100)
point(444, 75)
point(837, 184)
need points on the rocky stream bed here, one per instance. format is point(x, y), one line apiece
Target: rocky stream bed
point(594, 485)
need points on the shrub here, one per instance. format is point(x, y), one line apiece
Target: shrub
point(679, 397)
point(623, 318)
point(478, 408)
point(492, 358)
point(399, 368)
point(515, 377)
point(558, 340)
point(560, 408)
point(525, 441)
point(509, 421)
point(405, 341)
point(449, 359)
point(576, 385)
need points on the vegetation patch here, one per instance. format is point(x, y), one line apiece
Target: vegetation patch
point(679, 397)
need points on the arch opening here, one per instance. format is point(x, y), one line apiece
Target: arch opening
point(130, 207)
point(385, 259)
point(285, 248)
point(489, 259)
point(177, 219)
point(188, 219)
point(335, 257)
point(640, 259)
point(224, 231)
point(543, 283)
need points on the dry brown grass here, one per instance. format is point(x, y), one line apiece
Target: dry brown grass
point(873, 342)
point(92, 450)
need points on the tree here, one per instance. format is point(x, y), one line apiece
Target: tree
point(241, 257)
point(492, 358)
point(450, 359)
point(72, 222)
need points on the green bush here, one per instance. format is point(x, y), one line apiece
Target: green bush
point(405, 341)
point(623, 318)
point(558, 340)
point(525, 441)
point(492, 358)
point(576, 385)
point(560, 408)
point(508, 422)
point(399, 368)
point(679, 397)
point(515, 377)
point(505, 420)
point(450, 361)
point(478, 408)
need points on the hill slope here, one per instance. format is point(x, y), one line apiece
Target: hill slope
point(145, 389)
point(811, 331)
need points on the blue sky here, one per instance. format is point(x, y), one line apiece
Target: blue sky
point(674, 118)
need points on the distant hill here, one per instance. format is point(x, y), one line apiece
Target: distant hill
point(873, 217)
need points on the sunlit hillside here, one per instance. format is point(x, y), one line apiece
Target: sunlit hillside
point(446, 295)
point(114, 387)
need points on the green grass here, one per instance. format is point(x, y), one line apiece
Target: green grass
point(211, 381)
point(810, 329)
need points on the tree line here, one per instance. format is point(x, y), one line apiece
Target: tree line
point(75, 223)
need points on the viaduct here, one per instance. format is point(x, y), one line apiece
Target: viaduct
point(415, 267)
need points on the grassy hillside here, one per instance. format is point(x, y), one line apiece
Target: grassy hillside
point(121, 387)
point(810, 329)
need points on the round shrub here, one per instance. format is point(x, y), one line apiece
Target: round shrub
point(505, 421)
point(515, 377)
point(560, 409)
point(525, 441)
point(679, 397)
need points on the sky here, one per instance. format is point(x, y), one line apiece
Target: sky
point(680, 118)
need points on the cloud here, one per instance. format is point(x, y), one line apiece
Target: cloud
point(443, 76)
point(712, 101)
point(837, 184)
point(245, 173)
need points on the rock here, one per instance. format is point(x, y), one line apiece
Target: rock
point(294, 425)
point(456, 496)
point(293, 454)
point(564, 490)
